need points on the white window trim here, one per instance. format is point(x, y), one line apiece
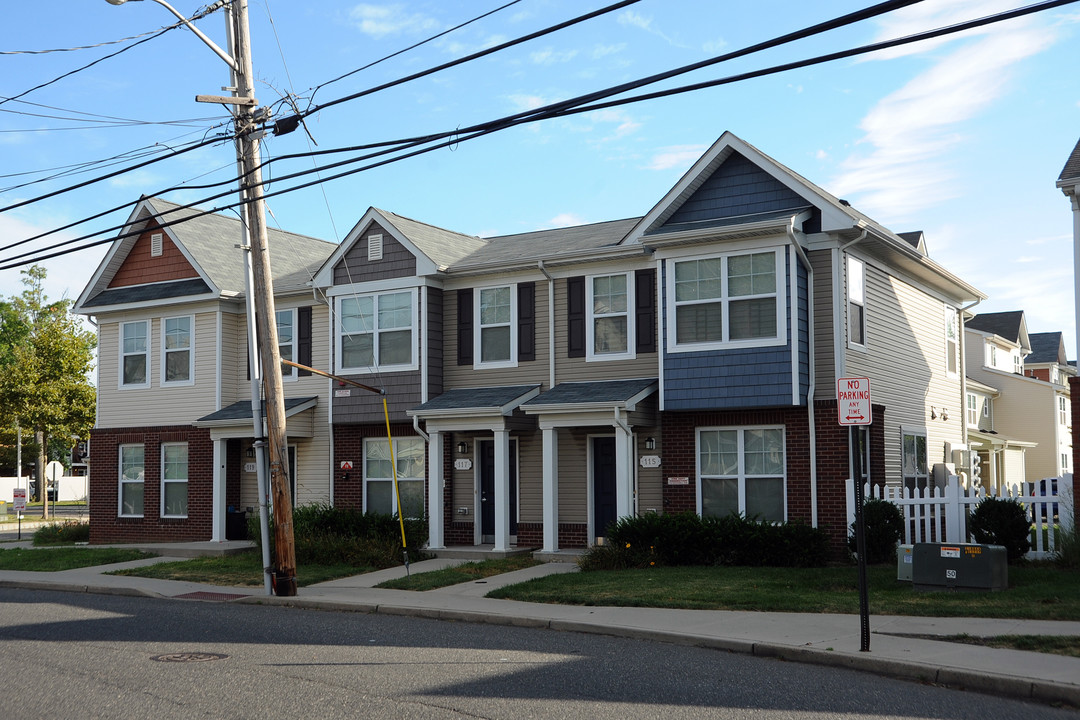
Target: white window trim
point(400, 479)
point(851, 260)
point(165, 482)
point(951, 317)
point(972, 413)
point(919, 431)
point(781, 304)
point(590, 326)
point(414, 329)
point(478, 333)
point(742, 476)
point(120, 369)
point(191, 352)
point(121, 482)
point(288, 372)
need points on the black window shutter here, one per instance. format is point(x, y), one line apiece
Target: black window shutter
point(526, 322)
point(575, 317)
point(303, 339)
point(645, 310)
point(464, 329)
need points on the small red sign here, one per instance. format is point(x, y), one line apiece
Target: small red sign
point(346, 465)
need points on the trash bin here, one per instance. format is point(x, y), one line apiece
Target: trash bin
point(236, 525)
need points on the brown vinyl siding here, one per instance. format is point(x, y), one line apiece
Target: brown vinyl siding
point(140, 268)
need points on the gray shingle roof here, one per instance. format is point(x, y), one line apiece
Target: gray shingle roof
point(601, 392)
point(486, 398)
point(1072, 166)
point(1047, 347)
point(146, 293)
point(212, 239)
point(1003, 324)
point(240, 411)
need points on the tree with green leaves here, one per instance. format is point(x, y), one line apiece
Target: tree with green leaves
point(45, 361)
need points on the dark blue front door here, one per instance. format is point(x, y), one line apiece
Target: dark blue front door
point(603, 469)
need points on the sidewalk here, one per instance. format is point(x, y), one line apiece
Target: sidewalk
point(900, 647)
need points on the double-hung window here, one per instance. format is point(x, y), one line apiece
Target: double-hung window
point(728, 301)
point(376, 332)
point(495, 319)
point(286, 335)
point(856, 291)
point(916, 472)
point(132, 474)
point(972, 410)
point(610, 330)
point(742, 470)
point(410, 454)
point(177, 364)
point(1063, 411)
point(952, 353)
point(174, 480)
point(135, 354)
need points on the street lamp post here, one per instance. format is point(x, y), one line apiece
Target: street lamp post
point(260, 289)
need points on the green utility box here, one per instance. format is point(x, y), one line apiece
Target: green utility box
point(959, 566)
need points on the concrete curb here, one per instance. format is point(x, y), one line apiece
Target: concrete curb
point(79, 588)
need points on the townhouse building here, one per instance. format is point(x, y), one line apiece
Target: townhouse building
point(539, 386)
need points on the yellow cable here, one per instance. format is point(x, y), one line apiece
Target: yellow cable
point(393, 467)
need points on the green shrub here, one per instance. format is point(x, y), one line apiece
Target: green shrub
point(1001, 521)
point(884, 526)
point(65, 533)
point(325, 535)
point(687, 539)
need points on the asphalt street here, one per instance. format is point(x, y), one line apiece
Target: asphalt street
point(102, 656)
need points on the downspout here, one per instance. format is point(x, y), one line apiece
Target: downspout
point(811, 388)
point(962, 341)
point(840, 308)
point(416, 427)
point(630, 465)
point(551, 323)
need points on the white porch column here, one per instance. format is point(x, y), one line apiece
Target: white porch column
point(502, 490)
point(551, 489)
point(436, 482)
point(624, 474)
point(217, 531)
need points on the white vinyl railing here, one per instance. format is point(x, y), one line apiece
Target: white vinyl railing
point(940, 514)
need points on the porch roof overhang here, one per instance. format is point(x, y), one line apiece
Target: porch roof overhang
point(485, 406)
point(997, 441)
point(238, 416)
point(590, 403)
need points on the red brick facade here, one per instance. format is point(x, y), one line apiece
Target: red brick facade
point(349, 446)
point(680, 448)
point(107, 527)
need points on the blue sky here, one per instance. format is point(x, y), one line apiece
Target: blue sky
point(962, 138)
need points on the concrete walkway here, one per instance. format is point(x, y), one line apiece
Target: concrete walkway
point(900, 647)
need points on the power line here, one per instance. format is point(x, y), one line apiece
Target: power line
point(74, 49)
point(554, 110)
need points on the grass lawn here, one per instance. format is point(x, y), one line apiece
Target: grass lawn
point(466, 572)
point(1037, 592)
point(240, 570)
point(54, 559)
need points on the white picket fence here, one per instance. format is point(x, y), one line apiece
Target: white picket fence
point(940, 515)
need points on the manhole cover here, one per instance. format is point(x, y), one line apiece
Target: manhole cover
point(189, 657)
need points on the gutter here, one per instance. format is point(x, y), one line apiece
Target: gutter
point(551, 323)
point(812, 387)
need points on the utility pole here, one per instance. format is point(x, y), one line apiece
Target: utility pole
point(261, 287)
point(251, 185)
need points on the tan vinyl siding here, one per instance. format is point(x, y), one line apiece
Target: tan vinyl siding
point(464, 376)
point(157, 405)
point(531, 477)
point(1026, 409)
point(574, 475)
point(650, 481)
point(824, 348)
point(905, 361)
point(234, 362)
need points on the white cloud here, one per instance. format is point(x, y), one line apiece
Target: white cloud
point(565, 220)
point(67, 275)
point(528, 102)
point(642, 22)
point(676, 156)
point(910, 132)
point(548, 56)
point(713, 47)
point(381, 20)
point(625, 125)
point(930, 15)
point(821, 155)
point(604, 50)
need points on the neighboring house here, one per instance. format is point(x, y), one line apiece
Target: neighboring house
point(171, 450)
point(1069, 183)
point(1001, 458)
point(1026, 407)
point(540, 386)
point(683, 360)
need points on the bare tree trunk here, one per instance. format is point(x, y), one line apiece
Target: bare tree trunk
point(42, 486)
